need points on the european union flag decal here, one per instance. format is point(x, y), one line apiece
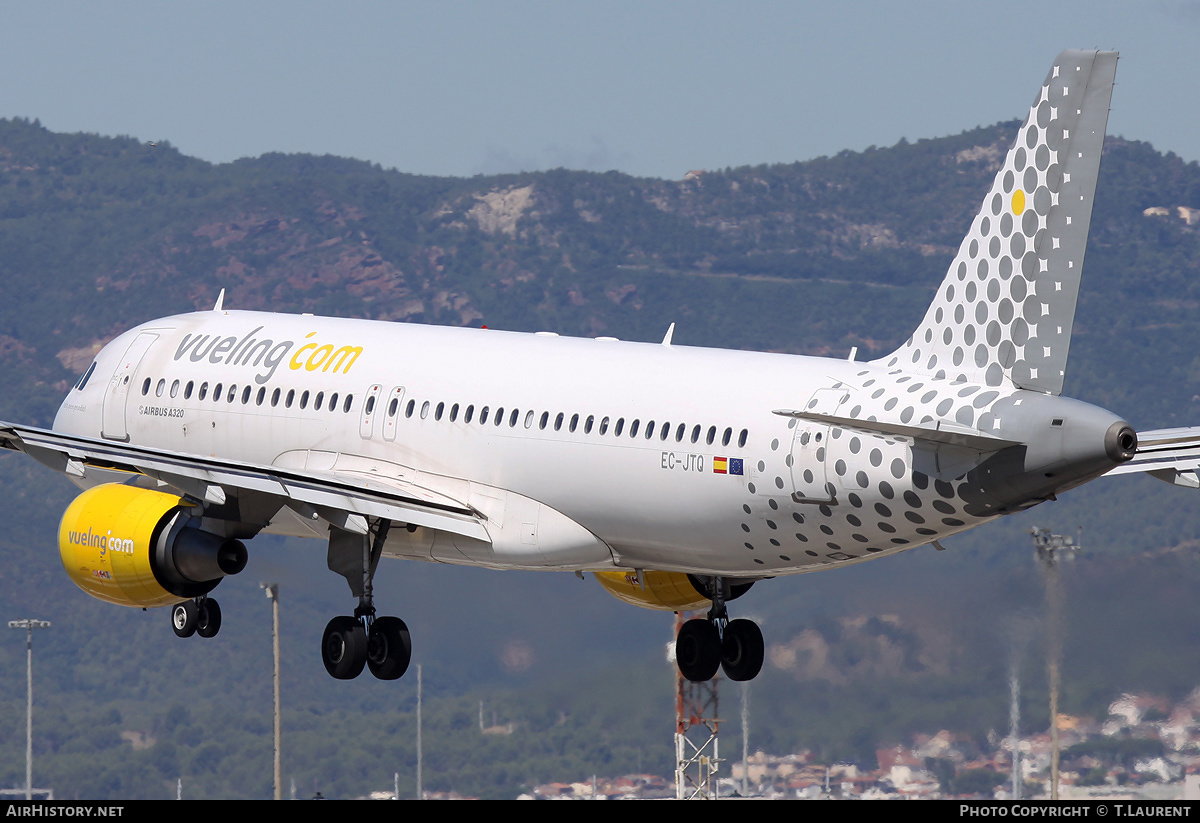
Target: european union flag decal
point(735, 465)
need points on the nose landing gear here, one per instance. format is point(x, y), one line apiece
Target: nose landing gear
point(201, 615)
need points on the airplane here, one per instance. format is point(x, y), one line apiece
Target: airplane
point(678, 476)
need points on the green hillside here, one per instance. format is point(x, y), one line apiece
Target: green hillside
point(98, 234)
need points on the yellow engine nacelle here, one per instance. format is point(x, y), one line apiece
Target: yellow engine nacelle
point(667, 591)
point(137, 547)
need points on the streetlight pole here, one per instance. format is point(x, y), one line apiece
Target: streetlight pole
point(29, 625)
point(272, 590)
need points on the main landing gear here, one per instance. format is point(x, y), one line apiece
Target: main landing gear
point(382, 644)
point(201, 615)
point(716, 642)
point(350, 643)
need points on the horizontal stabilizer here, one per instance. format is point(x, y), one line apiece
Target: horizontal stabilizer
point(1171, 455)
point(944, 434)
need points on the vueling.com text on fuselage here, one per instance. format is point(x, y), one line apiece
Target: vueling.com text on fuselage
point(265, 353)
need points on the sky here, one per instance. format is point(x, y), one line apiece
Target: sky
point(647, 88)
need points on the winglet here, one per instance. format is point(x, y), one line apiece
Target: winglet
point(670, 333)
point(220, 301)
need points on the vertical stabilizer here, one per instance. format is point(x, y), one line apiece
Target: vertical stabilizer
point(1003, 315)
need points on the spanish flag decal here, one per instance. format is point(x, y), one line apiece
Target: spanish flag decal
point(727, 465)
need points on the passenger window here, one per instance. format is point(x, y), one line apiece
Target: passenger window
point(146, 387)
point(604, 426)
point(545, 419)
point(742, 438)
point(349, 402)
point(470, 413)
point(483, 415)
point(424, 409)
point(333, 402)
point(712, 435)
point(262, 395)
point(620, 427)
point(558, 421)
point(246, 395)
point(529, 419)
point(574, 422)
point(633, 427)
point(370, 402)
point(175, 388)
point(499, 416)
point(393, 407)
point(291, 396)
point(680, 432)
point(410, 408)
point(304, 400)
point(158, 390)
point(203, 391)
point(453, 412)
point(649, 429)
point(275, 398)
point(232, 393)
point(665, 431)
point(696, 434)
point(320, 399)
point(725, 437)
point(187, 390)
point(587, 426)
point(437, 413)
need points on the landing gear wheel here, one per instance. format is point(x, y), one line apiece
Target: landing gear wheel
point(184, 617)
point(742, 650)
point(209, 622)
point(698, 650)
point(389, 648)
point(344, 648)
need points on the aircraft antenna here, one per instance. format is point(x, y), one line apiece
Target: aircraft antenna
point(220, 301)
point(696, 725)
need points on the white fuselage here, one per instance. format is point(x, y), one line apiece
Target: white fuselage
point(646, 457)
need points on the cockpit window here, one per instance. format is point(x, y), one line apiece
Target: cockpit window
point(86, 375)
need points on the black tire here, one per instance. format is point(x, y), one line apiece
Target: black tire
point(742, 650)
point(184, 617)
point(344, 648)
point(698, 650)
point(389, 648)
point(209, 622)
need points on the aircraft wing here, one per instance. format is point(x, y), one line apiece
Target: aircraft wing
point(345, 502)
point(1171, 455)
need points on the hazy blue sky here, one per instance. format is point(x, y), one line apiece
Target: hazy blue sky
point(649, 88)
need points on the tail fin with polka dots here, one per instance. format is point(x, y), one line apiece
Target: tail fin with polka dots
point(1003, 315)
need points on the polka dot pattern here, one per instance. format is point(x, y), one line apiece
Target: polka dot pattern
point(1000, 322)
point(1003, 315)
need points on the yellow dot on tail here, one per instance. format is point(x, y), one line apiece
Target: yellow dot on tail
point(1018, 202)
